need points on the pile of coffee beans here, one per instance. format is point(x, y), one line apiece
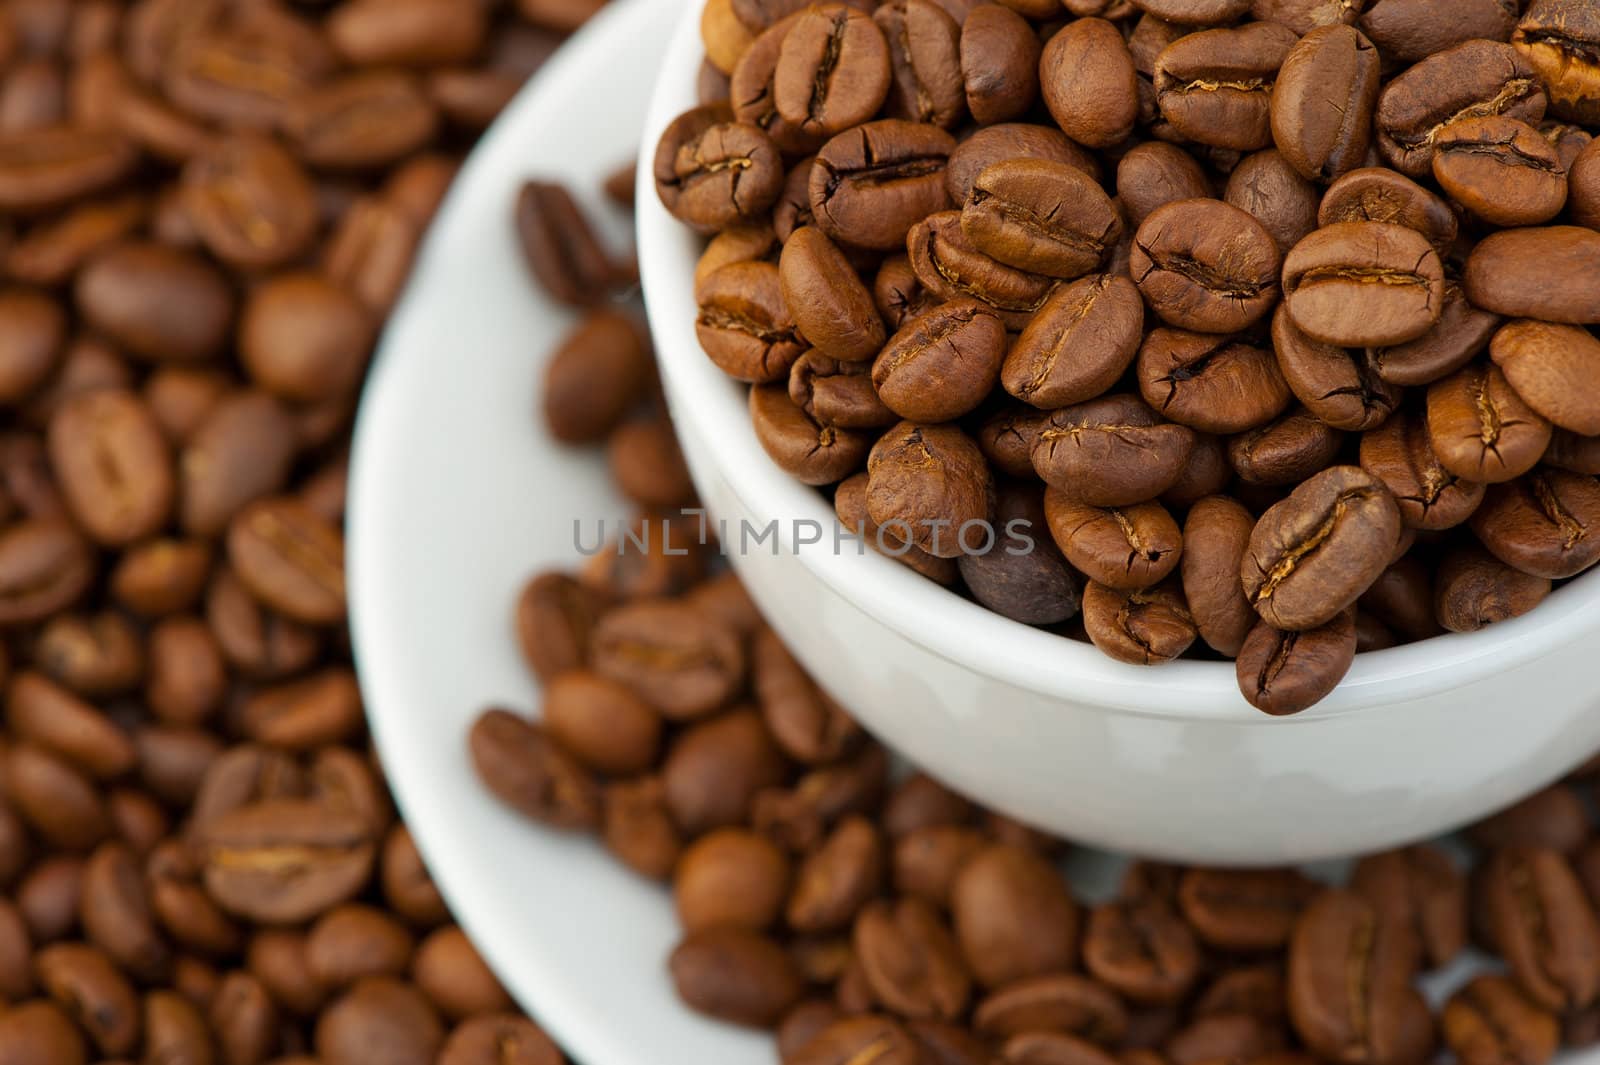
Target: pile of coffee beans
point(207, 208)
point(1275, 314)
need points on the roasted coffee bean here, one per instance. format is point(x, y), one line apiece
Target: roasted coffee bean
point(1013, 916)
point(1462, 333)
point(520, 763)
point(361, 121)
point(454, 977)
point(41, 712)
point(804, 720)
point(1547, 365)
point(1011, 140)
point(883, 1040)
point(1155, 174)
point(1360, 284)
point(1243, 910)
point(1550, 274)
point(836, 879)
point(240, 451)
point(1583, 186)
point(739, 243)
point(304, 339)
point(33, 343)
point(597, 374)
point(735, 976)
point(1481, 430)
point(1078, 345)
point(1210, 383)
point(54, 166)
point(1142, 949)
point(601, 722)
point(1205, 265)
point(155, 301)
point(162, 577)
point(1546, 524)
point(1060, 1002)
point(831, 307)
point(1089, 83)
point(833, 70)
point(1111, 452)
point(1501, 170)
point(57, 801)
point(499, 1037)
point(1021, 575)
point(942, 364)
point(745, 325)
point(1216, 535)
point(647, 465)
point(812, 452)
point(113, 465)
point(1475, 78)
point(926, 84)
point(1271, 191)
point(910, 961)
point(714, 770)
point(926, 483)
point(291, 559)
point(40, 1032)
point(999, 53)
point(246, 870)
point(1400, 454)
point(1145, 628)
point(1557, 38)
point(1543, 925)
point(1041, 216)
point(1407, 30)
point(1221, 1037)
point(1286, 672)
point(1312, 555)
point(1490, 1020)
point(93, 993)
point(1555, 818)
point(1418, 888)
point(1383, 1019)
point(1341, 386)
point(897, 293)
point(1376, 194)
point(837, 394)
point(251, 203)
point(559, 246)
point(951, 267)
point(1323, 100)
point(1123, 548)
point(379, 1017)
point(1215, 87)
point(116, 914)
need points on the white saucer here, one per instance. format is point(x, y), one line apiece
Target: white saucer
point(457, 495)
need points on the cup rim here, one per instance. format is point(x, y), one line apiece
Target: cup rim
point(975, 637)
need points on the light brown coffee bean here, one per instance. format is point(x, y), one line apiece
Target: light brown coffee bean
point(1401, 455)
point(1547, 364)
point(285, 860)
point(1088, 80)
point(1078, 345)
point(289, 558)
point(157, 302)
point(114, 466)
point(1360, 284)
point(1546, 523)
point(1013, 916)
point(735, 976)
point(1481, 430)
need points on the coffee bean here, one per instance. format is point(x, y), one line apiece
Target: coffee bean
point(455, 978)
point(33, 342)
point(1359, 284)
point(1041, 216)
point(1501, 170)
point(41, 712)
point(1546, 524)
point(1078, 344)
point(39, 1033)
point(1323, 100)
point(499, 1038)
point(157, 302)
point(1491, 1020)
point(291, 559)
point(1472, 79)
point(1583, 187)
point(1271, 191)
point(54, 166)
point(1206, 265)
point(1287, 672)
point(304, 339)
point(1548, 274)
point(833, 70)
point(1022, 575)
point(1154, 174)
point(831, 307)
point(407, 887)
point(379, 1017)
point(1142, 949)
point(245, 870)
point(1087, 77)
point(1461, 334)
point(951, 267)
point(1341, 386)
point(1143, 628)
point(714, 769)
point(1013, 916)
point(116, 912)
point(1430, 497)
point(941, 365)
point(911, 961)
point(1556, 38)
point(804, 720)
point(1123, 548)
point(1011, 140)
point(521, 765)
point(1110, 452)
point(1210, 383)
point(1481, 429)
point(1240, 1037)
point(1058, 1002)
point(1545, 364)
point(597, 374)
point(162, 576)
point(999, 54)
point(846, 1040)
point(250, 201)
point(57, 801)
point(1216, 86)
point(837, 394)
point(745, 325)
point(736, 976)
point(808, 450)
point(93, 993)
point(1543, 925)
point(1555, 817)
point(926, 483)
point(1216, 535)
point(925, 62)
point(1420, 889)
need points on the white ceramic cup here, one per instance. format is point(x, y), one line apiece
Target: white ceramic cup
point(1168, 762)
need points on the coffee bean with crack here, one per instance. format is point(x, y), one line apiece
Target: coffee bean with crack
point(1143, 628)
point(1313, 554)
point(744, 324)
point(871, 184)
point(1341, 386)
point(1215, 87)
point(1364, 284)
point(1205, 265)
point(833, 70)
point(1323, 101)
point(1400, 454)
point(951, 267)
point(1501, 170)
point(1560, 39)
point(925, 483)
point(1079, 343)
point(1111, 452)
point(1546, 523)
point(1286, 672)
point(941, 365)
point(711, 172)
point(1042, 216)
point(1125, 548)
point(1215, 384)
point(1481, 429)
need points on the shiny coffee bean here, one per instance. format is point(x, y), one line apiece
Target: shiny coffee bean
point(951, 267)
point(1401, 455)
point(1360, 284)
point(744, 323)
point(870, 185)
point(1089, 83)
point(1078, 344)
point(1270, 190)
point(1287, 672)
point(1144, 627)
point(1546, 523)
point(1481, 430)
point(1543, 925)
point(1341, 386)
point(1501, 170)
point(1547, 364)
point(1210, 383)
point(941, 365)
point(1557, 38)
point(1216, 535)
point(1110, 452)
point(1205, 265)
point(1040, 216)
point(1545, 273)
point(832, 308)
point(999, 63)
point(805, 448)
point(1216, 87)
point(925, 62)
point(926, 483)
point(1323, 100)
point(1123, 548)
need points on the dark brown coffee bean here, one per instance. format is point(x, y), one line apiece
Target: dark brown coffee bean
point(113, 465)
point(925, 483)
point(16, 952)
point(1143, 950)
point(116, 915)
point(1474, 78)
point(1013, 916)
point(39, 1033)
point(1205, 265)
point(715, 768)
point(361, 121)
point(57, 801)
point(1501, 170)
point(1547, 364)
point(837, 394)
point(833, 70)
point(1490, 1020)
point(951, 267)
point(156, 302)
point(910, 960)
point(1384, 1019)
point(1401, 455)
point(897, 293)
point(1210, 383)
point(1271, 191)
point(845, 1041)
point(1548, 273)
point(173, 760)
point(943, 364)
point(520, 763)
point(1123, 548)
point(1011, 140)
point(744, 323)
point(1323, 100)
point(1144, 628)
point(1408, 31)
point(499, 1039)
point(925, 62)
point(1287, 672)
point(50, 167)
point(1243, 910)
point(831, 307)
point(1476, 589)
point(1063, 1003)
point(379, 1017)
point(39, 711)
point(1089, 83)
point(559, 245)
point(291, 559)
point(735, 976)
point(870, 185)
point(1461, 334)
point(1021, 574)
point(1418, 888)
point(1155, 174)
point(1111, 452)
point(1543, 926)
point(1341, 386)
point(1041, 216)
point(1557, 38)
point(1216, 86)
point(304, 339)
point(32, 345)
point(999, 63)
point(1481, 430)
point(595, 376)
point(93, 993)
point(1360, 284)
point(1078, 345)
point(1546, 524)
point(1216, 535)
